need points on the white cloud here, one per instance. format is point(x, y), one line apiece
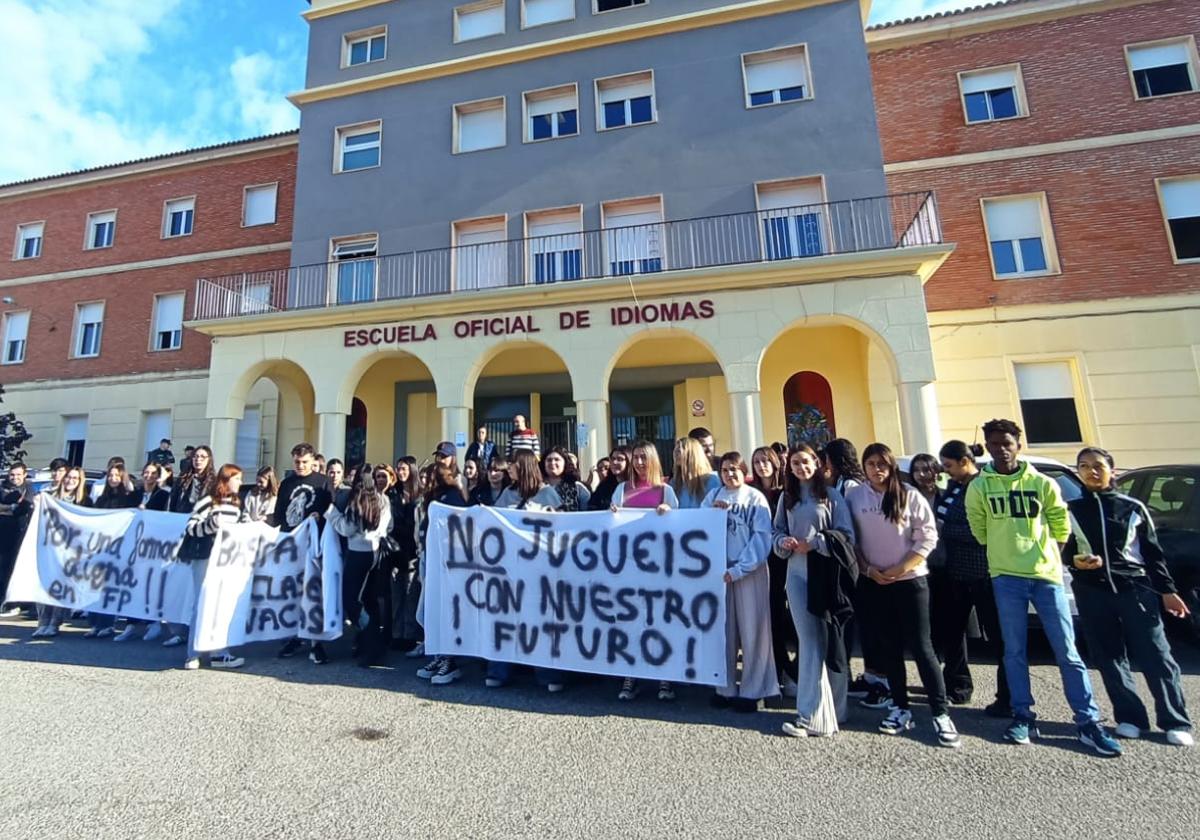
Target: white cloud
point(883, 11)
point(257, 80)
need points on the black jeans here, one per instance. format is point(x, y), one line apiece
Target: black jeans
point(1118, 625)
point(362, 589)
point(898, 615)
point(783, 629)
point(861, 627)
point(951, 612)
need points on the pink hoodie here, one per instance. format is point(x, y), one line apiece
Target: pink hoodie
point(885, 543)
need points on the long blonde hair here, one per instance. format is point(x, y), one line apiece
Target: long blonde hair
point(654, 474)
point(692, 468)
point(80, 490)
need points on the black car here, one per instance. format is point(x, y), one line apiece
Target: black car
point(1172, 495)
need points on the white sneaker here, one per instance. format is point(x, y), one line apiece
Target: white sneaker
point(175, 641)
point(105, 633)
point(427, 671)
point(788, 687)
point(130, 632)
point(50, 632)
point(417, 652)
point(1180, 738)
point(947, 734)
point(153, 633)
point(227, 660)
point(555, 687)
point(1128, 730)
point(192, 664)
point(447, 672)
point(897, 721)
point(797, 728)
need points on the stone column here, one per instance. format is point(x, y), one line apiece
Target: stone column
point(745, 421)
point(920, 426)
point(593, 414)
point(222, 438)
point(331, 435)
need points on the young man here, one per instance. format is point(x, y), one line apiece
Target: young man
point(523, 438)
point(335, 471)
point(16, 506)
point(185, 464)
point(482, 449)
point(1020, 516)
point(302, 494)
point(163, 456)
point(447, 456)
point(705, 438)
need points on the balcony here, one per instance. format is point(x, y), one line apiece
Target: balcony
point(361, 276)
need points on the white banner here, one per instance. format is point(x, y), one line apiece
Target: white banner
point(262, 584)
point(627, 594)
point(115, 562)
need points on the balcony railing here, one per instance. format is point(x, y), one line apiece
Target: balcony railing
point(775, 235)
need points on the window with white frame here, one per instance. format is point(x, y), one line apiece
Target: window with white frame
point(358, 146)
point(555, 239)
point(89, 324)
point(481, 253)
point(156, 427)
point(101, 229)
point(479, 125)
point(1019, 236)
point(355, 268)
point(538, 12)
point(258, 205)
point(479, 20)
point(992, 94)
point(793, 217)
point(625, 100)
point(776, 76)
point(1181, 206)
point(365, 46)
point(29, 241)
point(550, 113)
point(75, 428)
point(178, 217)
point(1048, 408)
point(168, 321)
point(1161, 68)
point(248, 446)
point(633, 236)
point(612, 5)
point(16, 334)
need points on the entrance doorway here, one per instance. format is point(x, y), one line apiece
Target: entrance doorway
point(808, 409)
point(645, 415)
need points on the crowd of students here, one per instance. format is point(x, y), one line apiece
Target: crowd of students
point(823, 548)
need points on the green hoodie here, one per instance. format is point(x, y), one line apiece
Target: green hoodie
point(1020, 518)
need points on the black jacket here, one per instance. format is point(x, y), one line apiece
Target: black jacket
point(1119, 529)
point(160, 499)
point(832, 578)
point(116, 499)
point(602, 497)
point(13, 525)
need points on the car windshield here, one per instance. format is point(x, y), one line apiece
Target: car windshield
point(1171, 498)
point(1067, 483)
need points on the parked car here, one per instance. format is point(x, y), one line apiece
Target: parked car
point(1172, 495)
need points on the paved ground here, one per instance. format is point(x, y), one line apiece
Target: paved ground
point(113, 741)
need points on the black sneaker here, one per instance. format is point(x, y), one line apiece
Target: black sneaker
point(859, 686)
point(878, 697)
point(290, 648)
point(317, 655)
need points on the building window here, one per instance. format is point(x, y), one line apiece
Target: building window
point(793, 217)
point(633, 236)
point(1018, 232)
point(625, 100)
point(481, 253)
point(538, 12)
point(178, 216)
point(168, 322)
point(74, 438)
point(355, 268)
point(479, 125)
point(364, 47)
point(993, 94)
point(1161, 68)
point(256, 298)
point(156, 427)
point(16, 333)
point(479, 20)
point(1047, 394)
point(358, 146)
point(1180, 198)
point(612, 5)
point(101, 229)
point(776, 76)
point(555, 239)
point(258, 205)
point(29, 241)
point(550, 113)
point(89, 323)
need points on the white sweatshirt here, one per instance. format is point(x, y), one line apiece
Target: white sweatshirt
point(749, 520)
point(357, 538)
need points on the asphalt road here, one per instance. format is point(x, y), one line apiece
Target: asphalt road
point(114, 741)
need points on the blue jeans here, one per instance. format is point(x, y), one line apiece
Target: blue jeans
point(1013, 596)
point(497, 670)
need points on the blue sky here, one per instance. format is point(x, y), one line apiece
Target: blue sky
point(89, 82)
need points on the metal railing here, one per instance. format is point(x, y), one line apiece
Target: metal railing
point(774, 235)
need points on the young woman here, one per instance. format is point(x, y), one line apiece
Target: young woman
point(116, 495)
point(618, 465)
point(154, 497)
point(896, 532)
point(967, 584)
point(1121, 585)
point(72, 490)
point(221, 506)
point(407, 634)
point(260, 501)
point(488, 492)
point(443, 488)
point(194, 484)
point(807, 512)
point(923, 472)
point(365, 523)
point(560, 475)
point(645, 487)
point(473, 475)
point(597, 474)
point(747, 589)
point(694, 477)
point(768, 478)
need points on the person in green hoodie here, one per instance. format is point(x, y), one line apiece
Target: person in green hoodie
point(1019, 515)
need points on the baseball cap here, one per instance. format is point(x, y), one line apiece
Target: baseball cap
point(445, 449)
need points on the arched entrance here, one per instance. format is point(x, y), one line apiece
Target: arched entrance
point(808, 409)
point(277, 413)
point(529, 379)
point(393, 411)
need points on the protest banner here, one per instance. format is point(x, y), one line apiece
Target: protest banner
point(263, 584)
point(627, 594)
point(114, 562)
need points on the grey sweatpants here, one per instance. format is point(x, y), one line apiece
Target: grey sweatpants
point(748, 627)
point(820, 695)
